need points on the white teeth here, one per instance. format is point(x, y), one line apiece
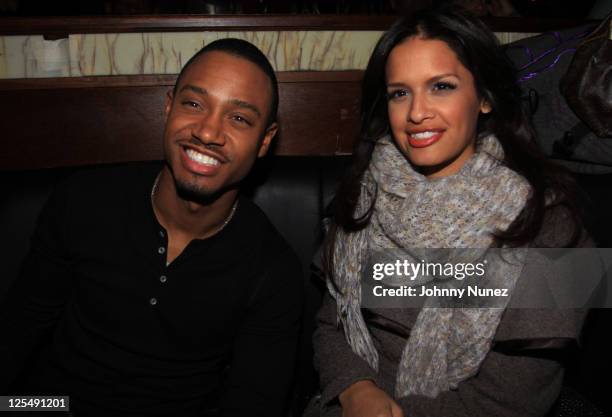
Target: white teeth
point(423, 135)
point(201, 158)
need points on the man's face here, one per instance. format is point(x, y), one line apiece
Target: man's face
point(216, 124)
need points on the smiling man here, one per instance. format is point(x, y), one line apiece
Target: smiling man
point(160, 290)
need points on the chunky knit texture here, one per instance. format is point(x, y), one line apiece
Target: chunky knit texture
point(446, 345)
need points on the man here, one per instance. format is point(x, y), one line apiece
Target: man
point(164, 292)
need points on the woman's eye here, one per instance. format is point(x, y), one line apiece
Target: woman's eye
point(444, 86)
point(191, 104)
point(397, 94)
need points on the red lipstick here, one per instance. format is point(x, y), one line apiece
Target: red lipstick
point(423, 143)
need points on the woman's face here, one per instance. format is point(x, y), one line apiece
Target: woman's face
point(433, 106)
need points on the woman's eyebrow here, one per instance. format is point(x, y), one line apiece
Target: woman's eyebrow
point(396, 84)
point(430, 80)
point(439, 77)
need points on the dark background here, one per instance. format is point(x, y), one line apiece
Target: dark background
point(528, 8)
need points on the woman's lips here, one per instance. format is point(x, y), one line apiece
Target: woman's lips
point(425, 138)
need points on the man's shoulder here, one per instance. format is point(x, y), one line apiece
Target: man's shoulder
point(108, 181)
point(115, 175)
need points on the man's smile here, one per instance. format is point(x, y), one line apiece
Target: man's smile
point(201, 162)
point(201, 158)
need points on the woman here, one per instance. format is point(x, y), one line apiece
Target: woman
point(445, 160)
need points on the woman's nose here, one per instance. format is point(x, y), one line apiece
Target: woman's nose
point(419, 109)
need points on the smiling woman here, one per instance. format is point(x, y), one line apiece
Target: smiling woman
point(445, 159)
point(432, 101)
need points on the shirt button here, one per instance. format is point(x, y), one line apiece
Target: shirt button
point(161, 233)
point(161, 250)
point(163, 279)
point(153, 301)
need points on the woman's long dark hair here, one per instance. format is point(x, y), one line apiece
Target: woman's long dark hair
point(478, 50)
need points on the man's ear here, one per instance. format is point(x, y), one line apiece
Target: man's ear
point(267, 139)
point(168, 104)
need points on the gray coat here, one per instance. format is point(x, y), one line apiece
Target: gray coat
point(514, 381)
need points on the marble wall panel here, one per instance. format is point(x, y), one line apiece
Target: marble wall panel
point(33, 57)
point(166, 53)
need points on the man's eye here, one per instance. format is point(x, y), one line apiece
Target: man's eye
point(444, 86)
point(242, 119)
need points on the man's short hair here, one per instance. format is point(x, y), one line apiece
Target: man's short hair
point(241, 49)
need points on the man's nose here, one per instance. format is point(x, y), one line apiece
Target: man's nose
point(420, 108)
point(209, 130)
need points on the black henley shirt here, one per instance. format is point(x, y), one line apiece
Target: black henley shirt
point(98, 315)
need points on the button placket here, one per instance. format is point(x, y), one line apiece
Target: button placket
point(161, 250)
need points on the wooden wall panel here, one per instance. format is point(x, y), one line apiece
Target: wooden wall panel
point(61, 127)
point(61, 26)
point(63, 122)
point(317, 118)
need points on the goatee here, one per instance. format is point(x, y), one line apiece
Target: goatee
point(192, 192)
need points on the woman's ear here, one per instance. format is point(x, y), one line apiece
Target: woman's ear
point(485, 106)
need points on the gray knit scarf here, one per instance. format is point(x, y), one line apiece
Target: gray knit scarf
point(446, 345)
